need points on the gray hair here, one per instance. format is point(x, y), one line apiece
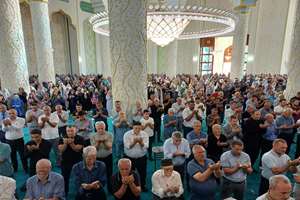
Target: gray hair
point(125, 160)
point(177, 134)
point(197, 146)
point(100, 123)
point(171, 110)
point(274, 180)
point(89, 150)
point(197, 121)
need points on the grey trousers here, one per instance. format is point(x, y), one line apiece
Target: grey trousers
point(232, 189)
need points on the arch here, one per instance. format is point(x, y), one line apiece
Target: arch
point(64, 41)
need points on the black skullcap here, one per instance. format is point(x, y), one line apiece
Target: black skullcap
point(166, 162)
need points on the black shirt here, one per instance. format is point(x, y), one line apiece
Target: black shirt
point(35, 155)
point(213, 150)
point(252, 132)
point(116, 183)
point(156, 113)
point(69, 156)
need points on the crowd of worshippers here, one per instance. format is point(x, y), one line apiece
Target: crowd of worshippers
point(214, 131)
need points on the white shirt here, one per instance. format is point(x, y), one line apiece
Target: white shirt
point(186, 112)
point(278, 109)
point(270, 160)
point(160, 183)
point(15, 130)
point(33, 124)
point(65, 116)
point(264, 197)
point(137, 151)
point(148, 129)
point(177, 108)
point(49, 132)
point(7, 188)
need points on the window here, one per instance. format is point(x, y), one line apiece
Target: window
point(206, 60)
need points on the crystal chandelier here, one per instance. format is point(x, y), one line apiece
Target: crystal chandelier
point(166, 23)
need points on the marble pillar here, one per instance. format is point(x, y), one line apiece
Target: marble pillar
point(42, 39)
point(238, 47)
point(13, 63)
point(293, 84)
point(128, 42)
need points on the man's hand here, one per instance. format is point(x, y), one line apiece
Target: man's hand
point(130, 179)
point(174, 189)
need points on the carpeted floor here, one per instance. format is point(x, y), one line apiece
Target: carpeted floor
point(252, 181)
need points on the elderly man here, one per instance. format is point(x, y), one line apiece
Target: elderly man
point(217, 142)
point(103, 141)
point(166, 183)
point(63, 118)
point(7, 188)
point(45, 184)
point(13, 128)
point(169, 123)
point(90, 176)
point(178, 149)
point(32, 115)
point(285, 125)
point(125, 184)
point(48, 124)
point(280, 189)
point(6, 168)
point(136, 143)
point(196, 136)
point(202, 175)
point(70, 147)
point(236, 165)
point(36, 149)
point(276, 162)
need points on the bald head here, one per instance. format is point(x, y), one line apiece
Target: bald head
point(43, 168)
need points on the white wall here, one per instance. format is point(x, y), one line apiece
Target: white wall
point(221, 43)
point(188, 57)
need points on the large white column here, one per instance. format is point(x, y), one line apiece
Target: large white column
point(42, 39)
point(128, 42)
point(238, 47)
point(293, 84)
point(269, 36)
point(13, 64)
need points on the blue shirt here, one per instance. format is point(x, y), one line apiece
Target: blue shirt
point(205, 190)
point(119, 132)
point(83, 175)
point(54, 187)
point(5, 164)
point(281, 120)
point(170, 149)
point(194, 138)
point(271, 132)
point(168, 130)
point(228, 160)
